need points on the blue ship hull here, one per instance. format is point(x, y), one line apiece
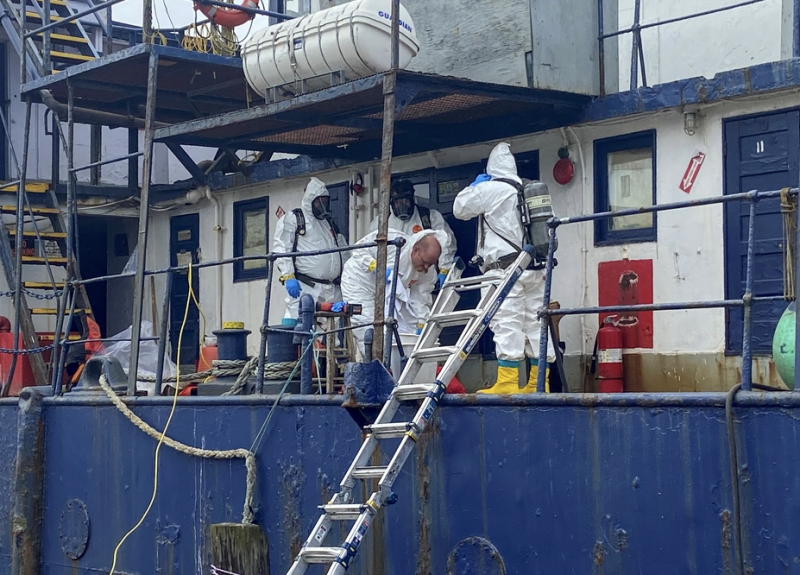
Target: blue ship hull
point(629, 484)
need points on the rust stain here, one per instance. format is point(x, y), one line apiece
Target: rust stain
point(725, 518)
point(599, 555)
point(292, 479)
point(424, 480)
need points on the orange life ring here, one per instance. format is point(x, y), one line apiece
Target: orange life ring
point(227, 17)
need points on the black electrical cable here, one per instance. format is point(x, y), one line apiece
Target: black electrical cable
point(734, 456)
point(736, 523)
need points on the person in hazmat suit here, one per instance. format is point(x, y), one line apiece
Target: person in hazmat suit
point(493, 198)
point(416, 275)
point(409, 218)
point(309, 228)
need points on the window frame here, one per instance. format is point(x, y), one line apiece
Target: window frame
point(240, 274)
point(603, 236)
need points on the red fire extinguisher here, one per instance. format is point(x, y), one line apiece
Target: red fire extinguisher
point(611, 378)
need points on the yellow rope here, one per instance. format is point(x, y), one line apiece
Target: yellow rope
point(162, 439)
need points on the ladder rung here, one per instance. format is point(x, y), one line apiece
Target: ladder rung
point(344, 512)
point(36, 260)
point(35, 211)
point(42, 285)
point(30, 187)
point(434, 353)
point(53, 311)
point(44, 235)
point(474, 281)
point(369, 472)
point(455, 317)
point(58, 56)
point(320, 554)
point(390, 430)
point(413, 391)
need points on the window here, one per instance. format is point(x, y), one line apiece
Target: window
point(250, 238)
point(625, 178)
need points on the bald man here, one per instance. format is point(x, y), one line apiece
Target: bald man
point(416, 273)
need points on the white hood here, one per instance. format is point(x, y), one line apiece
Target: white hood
point(501, 163)
point(315, 189)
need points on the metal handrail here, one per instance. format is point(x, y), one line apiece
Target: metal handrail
point(746, 301)
point(270, 258)
point(637, 51)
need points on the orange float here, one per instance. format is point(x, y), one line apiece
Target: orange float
point(227, 17)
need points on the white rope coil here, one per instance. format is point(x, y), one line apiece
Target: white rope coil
point(248, 456)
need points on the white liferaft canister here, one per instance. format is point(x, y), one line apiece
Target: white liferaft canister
point(354, 37)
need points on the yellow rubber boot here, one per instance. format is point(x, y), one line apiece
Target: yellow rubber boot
point(507, 379)
point(530, 387)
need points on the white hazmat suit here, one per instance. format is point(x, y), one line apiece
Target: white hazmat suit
point(414, 225)
point(323, 271)
point(414, 289)
point(516, 326)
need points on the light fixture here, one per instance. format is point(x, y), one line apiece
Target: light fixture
point(691, 118)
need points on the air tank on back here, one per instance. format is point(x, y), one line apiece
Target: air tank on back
point(354, 38)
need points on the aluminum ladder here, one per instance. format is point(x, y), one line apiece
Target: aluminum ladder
point(342, 506)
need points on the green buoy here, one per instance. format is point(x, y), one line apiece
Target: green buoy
point(783, 346)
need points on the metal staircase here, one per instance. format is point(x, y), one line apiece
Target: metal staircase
point(70, 43)
point(44, 259)
point(343, 508)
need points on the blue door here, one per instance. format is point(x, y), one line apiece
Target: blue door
point(340, 207)
point(184, 244)
point(761, 153)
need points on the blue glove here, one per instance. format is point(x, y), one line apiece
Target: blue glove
point(480, 179)
point(440, 279)
point(293, 287)
point(338, 306)
point(388, 275)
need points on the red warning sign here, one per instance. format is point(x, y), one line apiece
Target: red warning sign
point(692, 171)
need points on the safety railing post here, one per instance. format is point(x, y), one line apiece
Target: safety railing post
point(544, 313)
point(144, 209)
point(796, 287)
point(390, 319)
point(747, 300)
point(262, 348)
point(601, 48)
point(18, 243)
point(635, 40)
point(162, 335)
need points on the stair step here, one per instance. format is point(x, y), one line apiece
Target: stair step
point(413, 391)
point(42, 285)
point(36, 260)
point(66, 39)
point(44, 235)
point(344, 512)
point(52, 3)
point(9, 209)
point(36, 17)
point(369, 472)
point(51, 337)
point(434, 354)
point(58, 56)
point(389, 430)
point(30, 187)
point(459, 317)
point(54, 311)
point(320, 554)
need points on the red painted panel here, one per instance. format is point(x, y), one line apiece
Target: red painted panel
point(627, 282)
